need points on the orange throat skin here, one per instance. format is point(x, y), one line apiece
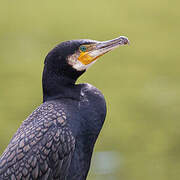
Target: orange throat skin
point(86, 59)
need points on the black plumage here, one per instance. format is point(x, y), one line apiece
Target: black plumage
point(56, 141)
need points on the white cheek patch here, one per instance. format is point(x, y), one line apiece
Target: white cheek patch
point(76, 64)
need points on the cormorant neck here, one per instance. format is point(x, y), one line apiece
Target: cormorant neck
point(57, 86)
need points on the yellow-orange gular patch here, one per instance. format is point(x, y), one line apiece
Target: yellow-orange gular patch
point(85, 58)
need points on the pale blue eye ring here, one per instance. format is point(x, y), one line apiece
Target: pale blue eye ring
point(83, 48)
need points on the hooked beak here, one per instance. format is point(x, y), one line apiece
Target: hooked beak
point(98, 49)
point(112, 44)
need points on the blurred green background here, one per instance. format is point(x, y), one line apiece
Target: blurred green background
point(141, 83)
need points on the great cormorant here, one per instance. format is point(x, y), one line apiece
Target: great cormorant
point(56, 141)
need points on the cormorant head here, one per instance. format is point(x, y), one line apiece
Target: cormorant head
point(71, 58)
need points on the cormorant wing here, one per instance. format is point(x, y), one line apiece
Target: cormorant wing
point(42, 147)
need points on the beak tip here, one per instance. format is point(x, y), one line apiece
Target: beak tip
point(125, 40)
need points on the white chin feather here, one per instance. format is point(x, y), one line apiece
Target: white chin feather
point(76, 64)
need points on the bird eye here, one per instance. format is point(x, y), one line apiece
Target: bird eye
point(83, 48)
